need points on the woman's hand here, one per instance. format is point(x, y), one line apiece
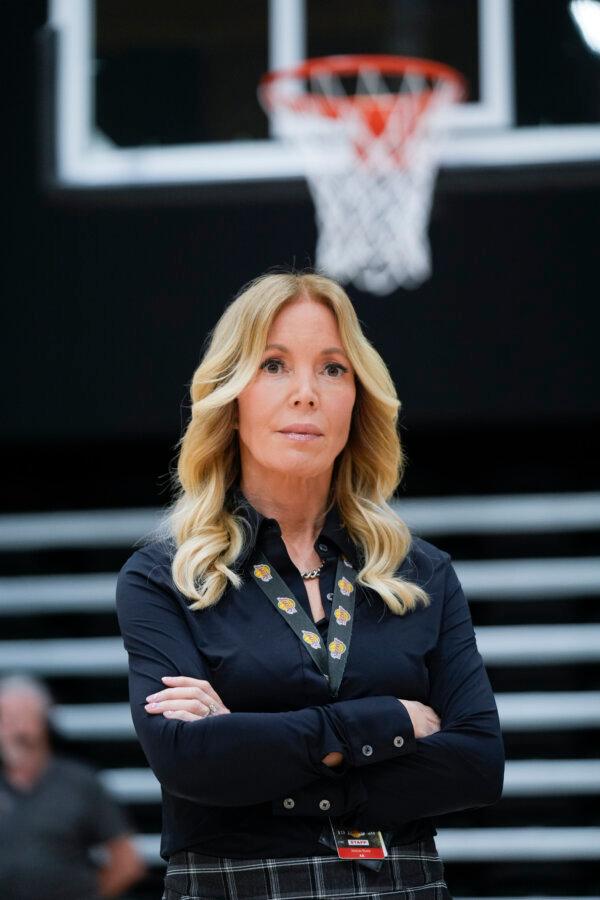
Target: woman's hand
point(186, 698)
point(425, 720)
point(333, 759)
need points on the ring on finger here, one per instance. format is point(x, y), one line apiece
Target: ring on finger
point(212, 709)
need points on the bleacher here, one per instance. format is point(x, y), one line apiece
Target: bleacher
point(530, 568)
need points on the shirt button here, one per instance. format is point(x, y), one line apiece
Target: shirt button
point(323, 547)
point(398, 741)
point(367, 750)
point(324, 805)
point(289, 803)
point(330, 596)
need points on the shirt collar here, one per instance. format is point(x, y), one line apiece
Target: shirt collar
point(333, 527)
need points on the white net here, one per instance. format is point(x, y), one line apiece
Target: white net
point(370, 158)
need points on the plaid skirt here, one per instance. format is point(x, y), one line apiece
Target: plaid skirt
point(410, 872)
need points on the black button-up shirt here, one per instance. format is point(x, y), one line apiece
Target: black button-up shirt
point(252, 783)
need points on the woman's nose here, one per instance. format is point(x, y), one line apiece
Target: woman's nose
point(305, 391)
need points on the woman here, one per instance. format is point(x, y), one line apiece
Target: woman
point(284, 733)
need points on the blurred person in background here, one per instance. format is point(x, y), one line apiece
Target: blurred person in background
point(54, 810)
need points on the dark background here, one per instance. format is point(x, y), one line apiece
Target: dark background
point(108, 298)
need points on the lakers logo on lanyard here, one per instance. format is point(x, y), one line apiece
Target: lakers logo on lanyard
point(330, 660)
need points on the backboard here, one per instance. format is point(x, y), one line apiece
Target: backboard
point(149, 93)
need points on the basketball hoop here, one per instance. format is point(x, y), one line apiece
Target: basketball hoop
point(368, 130)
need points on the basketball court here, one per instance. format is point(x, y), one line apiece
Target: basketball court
point(441, 158)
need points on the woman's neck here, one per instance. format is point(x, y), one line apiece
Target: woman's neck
point(297, 504)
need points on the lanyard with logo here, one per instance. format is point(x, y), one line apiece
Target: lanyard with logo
point(330, 660)
point(366, 847)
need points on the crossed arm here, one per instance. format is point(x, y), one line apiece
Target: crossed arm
point(250, 758)
point(459, 767)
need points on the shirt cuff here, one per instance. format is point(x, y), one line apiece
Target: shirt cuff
point(372, 729)
point(331, 742)
point(324, 797)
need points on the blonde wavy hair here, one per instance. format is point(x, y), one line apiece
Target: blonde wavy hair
point(208, 536)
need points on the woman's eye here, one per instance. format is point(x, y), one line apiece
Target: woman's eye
point(340, 368)
point(273, 367)
point(271, 362)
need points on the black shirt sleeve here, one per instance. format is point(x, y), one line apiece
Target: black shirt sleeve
point(459, 767)
point(240, 758)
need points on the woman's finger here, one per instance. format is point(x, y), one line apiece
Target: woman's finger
point(200, 707)
point(187, 681)
point(184, 692)
point(182, 714)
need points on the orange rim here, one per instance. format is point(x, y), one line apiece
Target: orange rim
point(351, 65)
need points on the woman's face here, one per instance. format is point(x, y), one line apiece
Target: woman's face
point(294, 416)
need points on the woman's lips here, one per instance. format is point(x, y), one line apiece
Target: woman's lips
point(300, 436)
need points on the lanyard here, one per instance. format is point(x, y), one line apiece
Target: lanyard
point(330, 661)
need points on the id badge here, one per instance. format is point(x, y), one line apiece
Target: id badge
point(351, 843)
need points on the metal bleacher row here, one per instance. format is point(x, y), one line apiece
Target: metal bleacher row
point(527, 565)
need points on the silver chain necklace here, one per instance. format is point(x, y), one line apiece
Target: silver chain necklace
point(314, 573)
